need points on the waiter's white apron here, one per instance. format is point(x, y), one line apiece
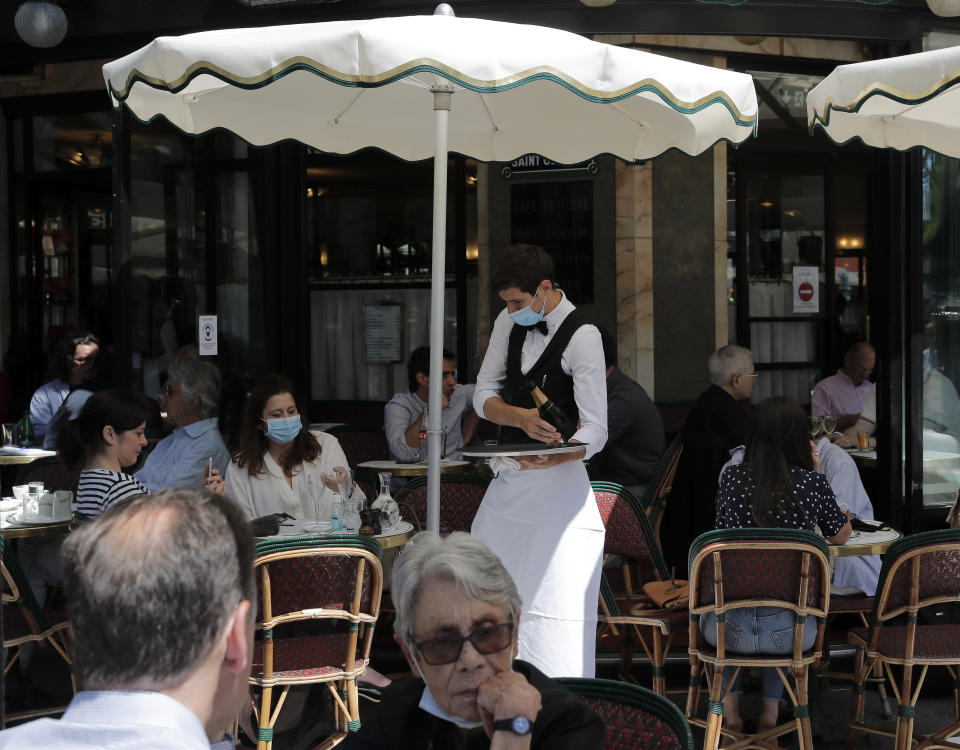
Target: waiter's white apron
point(545, 527)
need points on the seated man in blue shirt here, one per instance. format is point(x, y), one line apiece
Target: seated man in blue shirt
point(155, 670)
point(191, 396)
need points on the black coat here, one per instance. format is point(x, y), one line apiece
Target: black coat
point(398, 723)
point(716, 424)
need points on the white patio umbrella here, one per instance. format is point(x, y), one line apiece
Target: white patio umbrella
point(896, 102)
point(421, 86)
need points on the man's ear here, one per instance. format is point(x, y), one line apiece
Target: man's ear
point(406, 653)
point(236, 655)
point(423, 379)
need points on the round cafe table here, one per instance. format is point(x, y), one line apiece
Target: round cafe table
point(863, 543)
point(419, 469)
point(31, 531)
point(20, 456)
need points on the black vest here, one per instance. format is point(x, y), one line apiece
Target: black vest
point(546, 373)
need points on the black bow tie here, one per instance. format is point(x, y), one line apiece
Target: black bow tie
point(541, 326)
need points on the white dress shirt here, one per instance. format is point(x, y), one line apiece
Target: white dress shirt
point(582, 359)
point(270, 493)
point(113, 720)
point(405, 408)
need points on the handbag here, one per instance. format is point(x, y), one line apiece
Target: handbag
point(663, 595)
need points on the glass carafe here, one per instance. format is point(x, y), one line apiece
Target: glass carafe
point(385, 502)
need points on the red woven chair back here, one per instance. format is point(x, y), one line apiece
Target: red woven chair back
point(460, 497)
point(759, 564)
point(325, 581)
point(52, 472)
point(361, 442)
point(934, 567)
point(622, 523)
point(633, 716)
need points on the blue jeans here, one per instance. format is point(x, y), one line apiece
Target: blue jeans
point(758, 630)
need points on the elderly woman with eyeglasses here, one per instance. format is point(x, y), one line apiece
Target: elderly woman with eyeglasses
point(457, 610)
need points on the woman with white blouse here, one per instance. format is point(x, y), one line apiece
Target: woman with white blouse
point(282, 465)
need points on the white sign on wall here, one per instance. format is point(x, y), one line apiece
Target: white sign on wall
point(806, 289)
point(207, 335)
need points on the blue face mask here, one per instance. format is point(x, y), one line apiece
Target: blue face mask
point(429, 704)
point(526, 316)
point(283, 429)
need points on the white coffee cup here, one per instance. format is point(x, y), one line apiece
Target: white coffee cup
point(20, 491)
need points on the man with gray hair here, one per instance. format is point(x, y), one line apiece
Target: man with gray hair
point(187, 456)
point(160, 591)
point(716, 424)
point(457, 611)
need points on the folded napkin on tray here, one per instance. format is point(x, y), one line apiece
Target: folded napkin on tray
point(499, 463)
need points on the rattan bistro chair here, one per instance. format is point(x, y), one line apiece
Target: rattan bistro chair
point(633, 716)
point(25, 622)
point(361, 442)
point(460, 496)
point(332, 579)
point(918, 571)
point(630, 536)
point(52, 472)
point(657, 493)
point(732, 568)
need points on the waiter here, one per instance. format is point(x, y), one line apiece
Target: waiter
point(542, 518)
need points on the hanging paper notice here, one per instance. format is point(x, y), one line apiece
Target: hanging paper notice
point(806, 289)
point(383, 332)
point(207, 335)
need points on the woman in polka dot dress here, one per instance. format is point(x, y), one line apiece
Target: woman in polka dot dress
point(776, 486)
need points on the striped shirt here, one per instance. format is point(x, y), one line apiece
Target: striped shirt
point(99, 489)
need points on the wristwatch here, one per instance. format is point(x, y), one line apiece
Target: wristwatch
point(518, 725)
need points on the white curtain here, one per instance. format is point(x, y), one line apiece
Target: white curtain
point(336, 341)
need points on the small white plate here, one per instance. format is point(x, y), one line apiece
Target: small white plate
point(10, 503)
point(38, 521)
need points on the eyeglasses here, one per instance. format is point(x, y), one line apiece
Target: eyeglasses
point(168, 390)
point(487, 639)
point(754, 374)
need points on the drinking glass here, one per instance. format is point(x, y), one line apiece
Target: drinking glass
point(318, 524)
point(815, 426)
point(351, 516)
point(36, 488)
point(345, 482)
point(829, 425)
point(9, 434)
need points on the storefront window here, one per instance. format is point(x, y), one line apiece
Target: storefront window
point(369, 244)
point(194, 251)
point(73, 141)
point(940, 328)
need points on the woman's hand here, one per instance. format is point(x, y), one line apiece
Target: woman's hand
point(816, 455)
point(332, 481)
point(214, 482)
point(504, 696)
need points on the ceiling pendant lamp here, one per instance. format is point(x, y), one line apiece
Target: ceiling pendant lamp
point(945, 8)
point(41, 23)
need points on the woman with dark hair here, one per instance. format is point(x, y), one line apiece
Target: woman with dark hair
point(106, 437)
point(282, 464)
point(776, 486)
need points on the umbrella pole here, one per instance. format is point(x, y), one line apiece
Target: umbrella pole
point(441, 106)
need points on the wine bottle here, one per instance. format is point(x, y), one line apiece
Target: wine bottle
point(552, 413)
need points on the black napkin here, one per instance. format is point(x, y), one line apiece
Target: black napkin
point(867, 526)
